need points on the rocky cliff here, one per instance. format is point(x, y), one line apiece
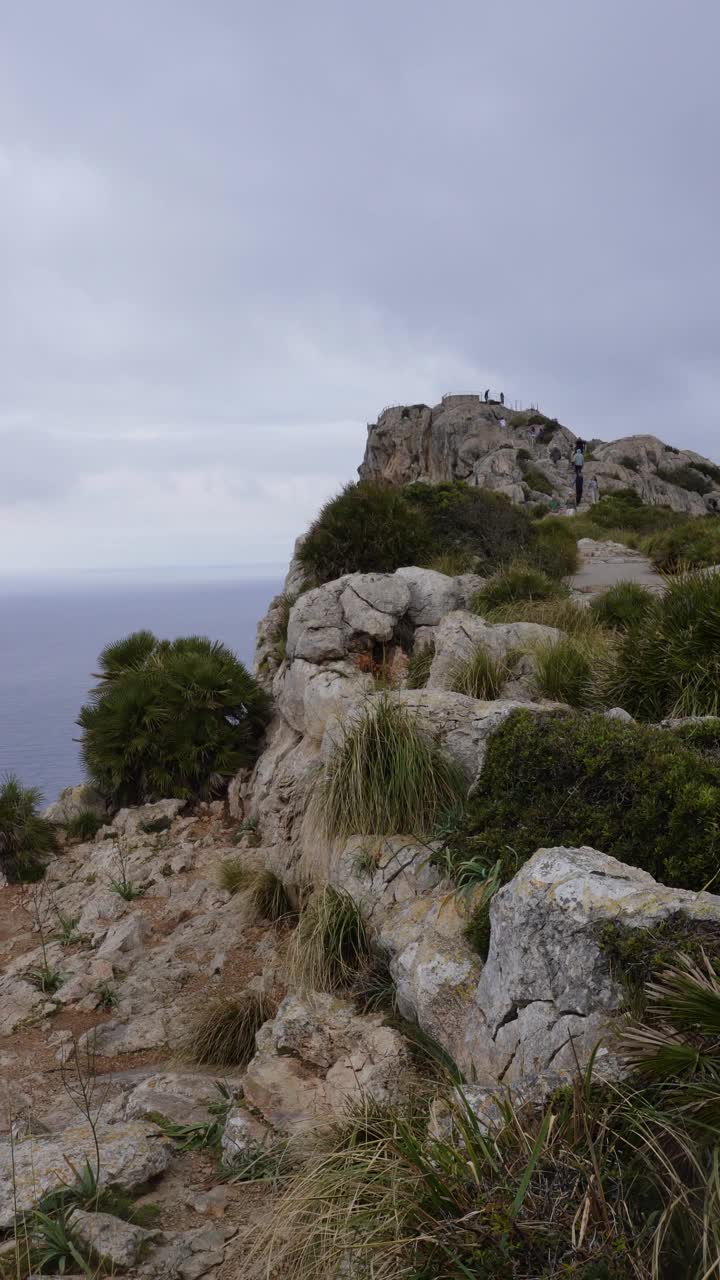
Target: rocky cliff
point(462, 439)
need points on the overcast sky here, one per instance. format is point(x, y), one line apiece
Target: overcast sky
point(232, 232)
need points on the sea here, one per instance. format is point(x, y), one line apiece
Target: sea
point(53, 628)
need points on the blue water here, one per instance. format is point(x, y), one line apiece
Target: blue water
point(51, 633)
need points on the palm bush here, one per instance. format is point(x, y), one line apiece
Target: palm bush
point(386, 776)
point(169, 718)
point(223, 1035)
point(623, 606)
point(669, 665)
point(482, 675)
point(26, 838)
point(517, 582)
point(331, 946)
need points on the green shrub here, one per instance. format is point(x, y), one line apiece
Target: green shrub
point(685, 478)
point(563, 613)
point(566, 670)
point(692, 543)
point(331, 945)
point(155, 826)
point(481, 676)
point(418, 667)
point(623, 606)
point(386, 776)
point(223, 1035)
point(701, 735)
point(26, 839)
point(367, 528)
point(623, 509)
point(710, 470)
point(669, 665)
point(170, 718)
point(452, 563)
point(518, 582)
point(555, 549)
point(637, 956)
point(635, 792)
point(84, 826)
point(536, 479)
point(632, 464)
point(472, 521)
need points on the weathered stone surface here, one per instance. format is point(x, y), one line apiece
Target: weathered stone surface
point(182, 1097)
point(116, 1243)
point(130, 1155)
point(373, 602)
point(432, 595)
point(129, 821)
point(72, 801)
point(546, 979)
point(461, 633)
point(316, 1055)
point(308, 695)
point(185, 1255)
point(243, 1134)
point(316, 627)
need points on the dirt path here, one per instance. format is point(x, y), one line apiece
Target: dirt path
point(605, 563)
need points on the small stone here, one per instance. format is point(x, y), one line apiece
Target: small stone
point(116, 1243)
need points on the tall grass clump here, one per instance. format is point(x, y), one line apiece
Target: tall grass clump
point(669, 664)
point(26, 838)
point(331, 945)
point(513, 584)
point(386, 776)
point(223, 1034)
point(85, 825)
point(623, 605)
point(169, 718)
point(555, 548)
point(482, 675)
point(265, 891)
point(566, 670)
point(563, 613)
point(418, 667)
point(692, 543)
point(636, 792)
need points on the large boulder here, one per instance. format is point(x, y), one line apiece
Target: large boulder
point(73, 801)
point(460, 634)
point(131, 1155)
point(317, 1055)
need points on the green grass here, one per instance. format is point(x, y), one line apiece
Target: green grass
point(513, 584)
point(563, 613)
point(686, 477)
point(555, 549)
point(536, 479)
point(84, 826)
point(223, 1035)
point(482, 675)
point(266, 893)
point(126, 889)
point(570, 670)
point(418, 667)
point(623, 606)
point(331, 946)
point(694, 542)
point(46, 978)
point(452, 563)
point(386, 776)
point(27, 840)
point(669, 664)
point(635, 792)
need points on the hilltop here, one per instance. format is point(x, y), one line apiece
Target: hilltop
point(461, 439)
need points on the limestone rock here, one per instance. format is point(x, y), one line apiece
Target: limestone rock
point(546, 979)
point(129, 821)
point(315, 1056)
point(308, 695)
point(130, 1156)
point(182, 1097)
point(72, 801)
point(461, 633)
point(116, 1243)
point(243, 1135)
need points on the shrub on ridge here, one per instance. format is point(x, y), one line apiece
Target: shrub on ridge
point(26, 838)
point(169, 718)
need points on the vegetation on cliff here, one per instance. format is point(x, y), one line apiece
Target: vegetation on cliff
point(26, 838)
point(170, 718)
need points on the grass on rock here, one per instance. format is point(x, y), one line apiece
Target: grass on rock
point(84, 826)
point(418, 667)
point(570, 669)
point(622, 606)
point(517, 582)
point(266, 893)
point(223, 1035)
point(386, 776)
point(331, 945)
point(482, 675)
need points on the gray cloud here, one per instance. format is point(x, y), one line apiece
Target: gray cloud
point(230, 233)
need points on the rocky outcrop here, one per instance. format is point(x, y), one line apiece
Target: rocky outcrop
point(317, 1055)
point(73, 801)
point(461, 439)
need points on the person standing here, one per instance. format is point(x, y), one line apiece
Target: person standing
point(531, 437)
point(502, 424)
point(578, 463)
point(487, 395)
point(594, 490)
point(502, 397)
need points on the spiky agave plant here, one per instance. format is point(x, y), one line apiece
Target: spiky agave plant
point(26, 838)
point(169, 718)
